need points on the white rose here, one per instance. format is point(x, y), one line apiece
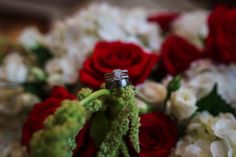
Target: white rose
point(183, 103)
point(14, 68)
point(192, 26)
point(152, 92)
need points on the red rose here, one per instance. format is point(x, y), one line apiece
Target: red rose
point(177, 54)
point(164, 20)
point(108, 56)
point(41, 111)
point(222, 36)
point(158, 135)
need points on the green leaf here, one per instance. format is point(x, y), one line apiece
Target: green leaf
point(42, 53)
point(99, 128)
point(214, 103)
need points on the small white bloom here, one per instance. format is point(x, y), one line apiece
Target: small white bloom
point(55, 79)
point(188, 147)
point(152, 92)
point(192, 26)
point(26, 101)
point(218, 149)
point(30, 37)
point(65, 67)
point(204, 82)
point(203, 75)
point(14, 68)
point(225, 128)
point(183, 103)
point(102, 22)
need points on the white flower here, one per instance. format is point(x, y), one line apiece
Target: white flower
point(203, 75)
point(30, 37)
point(65, 68)
point(55, 40)
point(102, 22)
point(218, 149)
point(12, 149)
point(183, 103)
point(192, 26)
point(152, 92)
point(14, 68)
point(204, 82)
point(209, 136)
point(225, 128)
point(141, 32)
point(14, 101)
point(187, 148)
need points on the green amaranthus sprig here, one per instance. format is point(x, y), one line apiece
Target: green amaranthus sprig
point(127, 121)
point(57, 137)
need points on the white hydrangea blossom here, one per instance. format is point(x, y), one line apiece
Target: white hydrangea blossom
point(198, 148)
point(203, 75)
point(15, 105)
point(13, 69)
point(192, 26)
point(209, 136)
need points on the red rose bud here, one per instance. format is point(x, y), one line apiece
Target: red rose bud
point(221, 41)
point(164, 20)
point(177, 54)
point(108, 56)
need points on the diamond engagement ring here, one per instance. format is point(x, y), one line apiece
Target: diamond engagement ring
point(116, 79)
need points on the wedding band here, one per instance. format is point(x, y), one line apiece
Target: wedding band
point(117, 79)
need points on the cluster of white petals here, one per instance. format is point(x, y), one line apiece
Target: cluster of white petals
point(192, 26)
point(203, 75)
point(15, 105)
point(30, 37)
point(209, 136)
point(13, 69)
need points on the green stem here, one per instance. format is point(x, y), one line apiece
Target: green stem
point(95, 95)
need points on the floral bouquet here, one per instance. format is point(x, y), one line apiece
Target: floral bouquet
point(174, 95)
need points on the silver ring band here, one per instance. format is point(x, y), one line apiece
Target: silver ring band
point(117, 78)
